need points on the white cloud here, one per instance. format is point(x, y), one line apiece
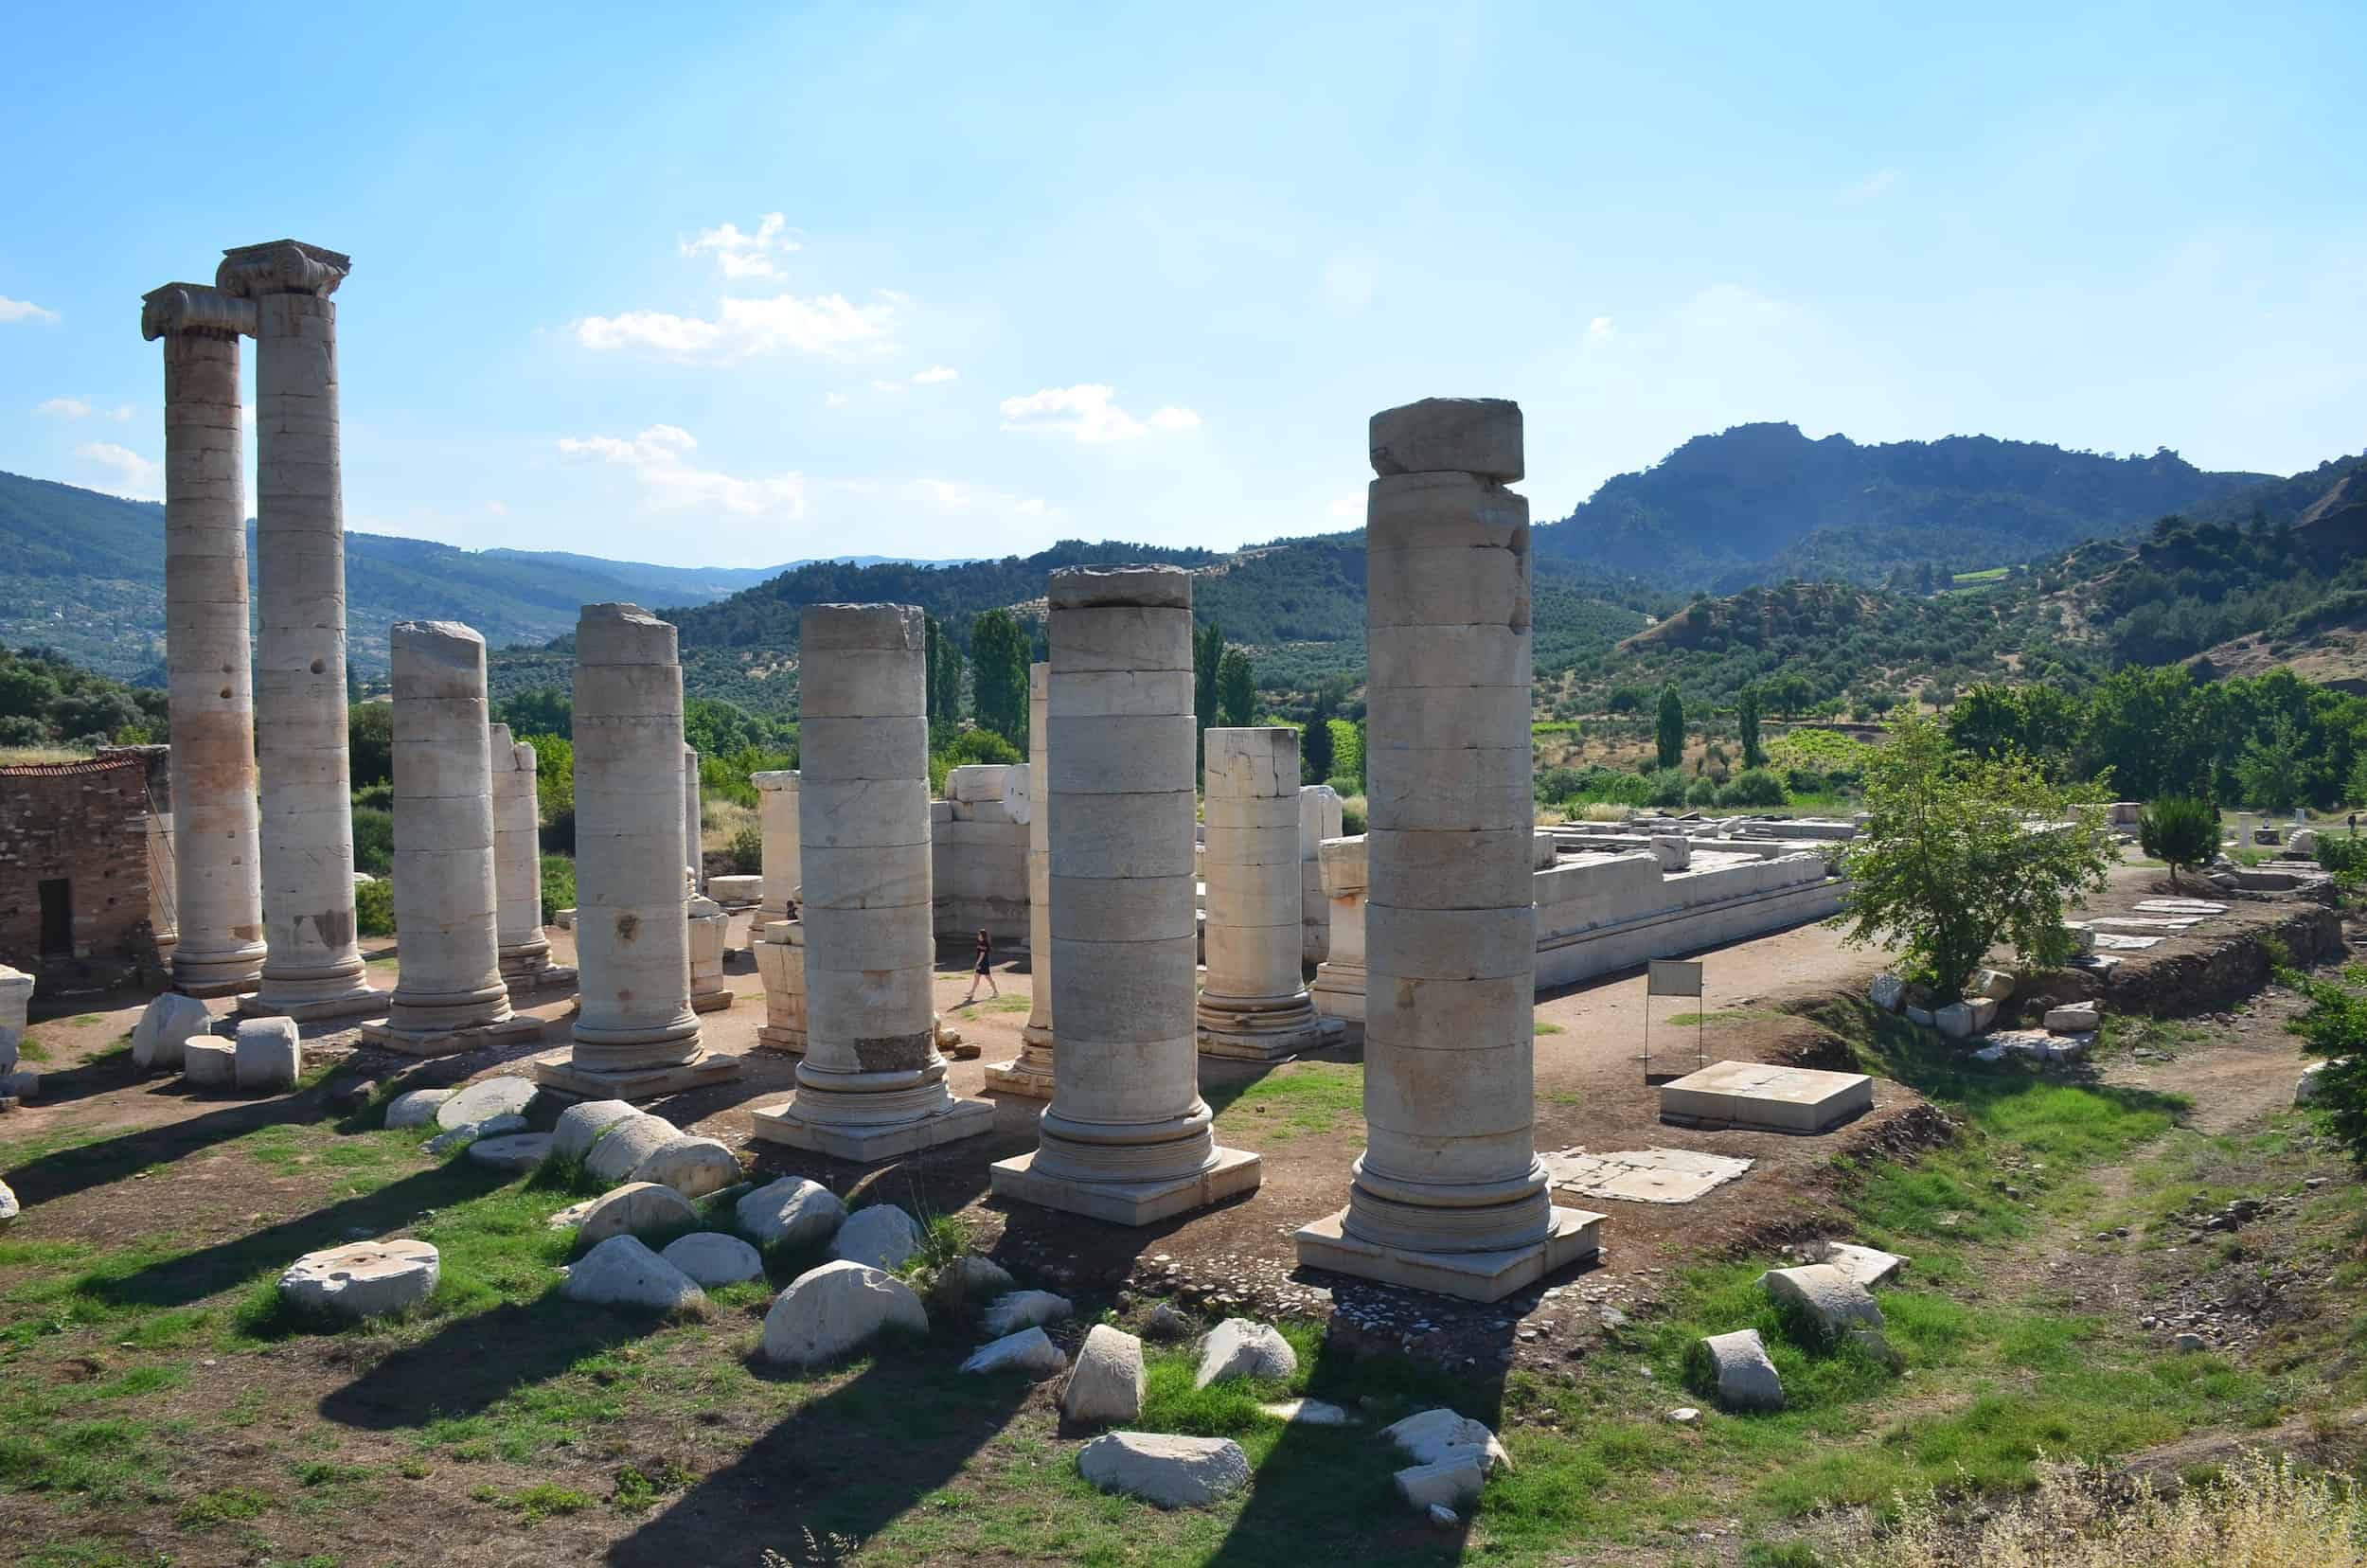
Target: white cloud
point(659, 458)
point(136, 476)
point(741, 255)
point(83, 408)
point(1089, 413)
point(934, 374)
point(22, 309)
point(744, 329)
point(1599, 328)
point(885, 385)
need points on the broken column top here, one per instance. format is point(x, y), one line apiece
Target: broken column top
point(1140, 587)
point(1478, 435)
point(623, 633)
point(889, 627)
point(437, 639)
point(1345, 865)
point(1259, 761)
point(777, 778)
point(281, 267)
point(194, 308)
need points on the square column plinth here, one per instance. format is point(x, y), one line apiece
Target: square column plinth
point(560, 1074)
point(517, 1027)
point(961, 1118)
point(1574, 1236)
point(1758, 1097)
point(1233, 1172)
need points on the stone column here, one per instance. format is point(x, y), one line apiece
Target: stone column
point(636, 1034)
point(449, 992)
point(525, 952)
point(692, 831)
point(210, 689)
point(1253, 1002)
point(781, 961)
point(1319, 818)
point(1126, 1135)
point(314, 965)
point(872, 1083)
point(1029, 1073)
point(709, 990)
point(776, 818)
point(1448, 1195)
point(1339, 988)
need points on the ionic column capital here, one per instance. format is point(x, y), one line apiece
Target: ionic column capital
point(281, 267)
point(194, 308)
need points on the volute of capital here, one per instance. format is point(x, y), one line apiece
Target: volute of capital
point(281, 267)
point(194, 308)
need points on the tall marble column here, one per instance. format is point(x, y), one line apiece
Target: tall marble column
point(1319, 819)
point(693, 831)
point(776, 819)
point(525, 952)
point(872, 1083)
point(1448, 1195)
point(635, 1034)
point(1253, 1002)
point(1339, 988)
point(209, 685)
point(449, 992)
point(1029, 1073)
point(1127, 1137)
point(314, 965)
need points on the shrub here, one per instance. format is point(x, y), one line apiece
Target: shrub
point(1702, 791)
point(1666, 788)
point(1752, 787)
point(373, 840)
point(1805, 781)
point(374, 908)
point(2179, 830)
point(559, 885)
point(379, 796)
point(2344, 855)
point(746, 853)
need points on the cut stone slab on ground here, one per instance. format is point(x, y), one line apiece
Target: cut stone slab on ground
point(1746, 1378)
point(365, 1279)
point(1030, 1351)
point(1765, 1097)
point(1173, 1472)
point(1642, 1175)
point(484, 1101)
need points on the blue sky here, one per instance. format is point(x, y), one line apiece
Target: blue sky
point(738, 285)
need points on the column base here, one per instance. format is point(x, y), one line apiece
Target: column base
point(1231, 1173)
point(435, 1043)
point(364, 1003)
point(787, 1041)
point(549, 977)
point(190, 985)
point(1339, 994)
point(1316, 1034)
point(1576, 1235)
point(711, 1001)
point(1019, 1077)
point(962, 1118)
point(639, 1082)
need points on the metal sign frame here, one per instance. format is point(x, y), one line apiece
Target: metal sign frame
point(1675, 977)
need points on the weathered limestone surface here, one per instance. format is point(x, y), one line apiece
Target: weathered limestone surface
point(267, 1055)
point(776, 819)
point(1320, 818)
point(1173, 1472)
point(525, 952)
point(694, 857)
point(1030, 1074)
point(1253, 1005)
point(871, 1084)
point(210, 682)
point(1126, 1135)
point(828, 1311)
point(448, 994)
point(365, 1279)
point(164, 1025)
point(710, 992)
point(313, 966)
point(1107, 1381)
point(636, 1034)
point(1341, 864)
point(781, 965)
point(1612, 907)
point(1767, 1098)
point(978, 852)
point(1449, 1194)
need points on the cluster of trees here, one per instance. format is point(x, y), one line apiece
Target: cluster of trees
point(2272, 741)
point(47, 700)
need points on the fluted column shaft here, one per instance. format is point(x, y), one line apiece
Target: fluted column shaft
point(1253, 1002)
point(209, 683)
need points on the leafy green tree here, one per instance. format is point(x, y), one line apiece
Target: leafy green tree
point(1962, 853)
point(2181, 829)
point(554, 790)
point(2277, 769)
point(1237, 689)
point(998, 664)
point(1788, 693)
point(942, 677)
point(2334, 1027)
point(2153, 729)
point(1207, 654)
point(1315, 738)
point(1747, 724)
point(1669, 733)
point(545, 710)
point(370, 743)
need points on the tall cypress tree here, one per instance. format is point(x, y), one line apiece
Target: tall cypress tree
point(997, 663)
point(1671, 736)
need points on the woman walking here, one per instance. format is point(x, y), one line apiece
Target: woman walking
point(986, 958)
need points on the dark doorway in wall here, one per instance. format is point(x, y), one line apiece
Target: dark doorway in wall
point(57, 917)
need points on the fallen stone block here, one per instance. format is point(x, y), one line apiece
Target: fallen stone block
point(1888, 992)
point(268, 1056)
point(1173, 1472)
point(1963, 1020)
point(1995, 985)
point(515, 1152)
point(1238, 1347)
point(713, 1258)
point(1107, 1381)
point(164, 1026)
point(621, 1272)
point(792, 1212)
point(1030, 1351)
point(9, 1208)
point(416, 1107)
point(1449, 1483)
point(618, 1152)
point(485, 1099)
point(467, 1137)
point(365, 1279)
point(1746, 1378)
point(828, 1311)
point(692, 1166)
point(1827, 1296)
point(968, 1282)
point(1018, 1309)
point(882, 1235)
point(2073, 1018)
point(1868, 1266)
point(1433, 1436)
point(1307, 1413)
point(633, 1208)
point(208, 1064)
point(579, 1126)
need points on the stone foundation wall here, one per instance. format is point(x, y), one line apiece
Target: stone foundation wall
point(1599, 915)
point(85, 824)
point(978, 861)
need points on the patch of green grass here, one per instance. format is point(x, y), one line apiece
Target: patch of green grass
point(537, 1503)
point(1544, 1026)
point(1727, 1015)
point(1003, 1005)
point(221, 1506)
point(1297, 1097)
point(638, 1493)
point(30, 1048)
